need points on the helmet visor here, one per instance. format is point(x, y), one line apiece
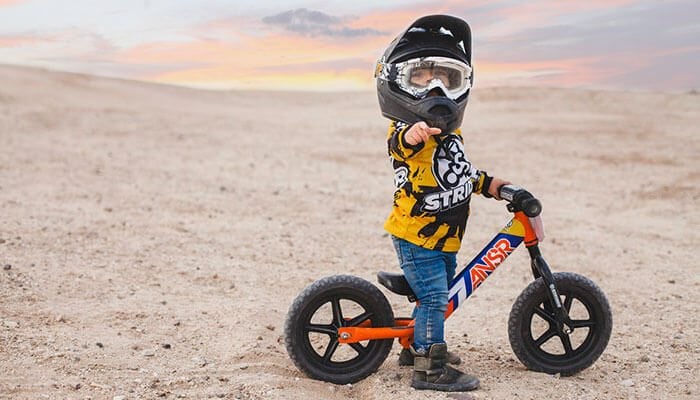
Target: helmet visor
point(419, 76)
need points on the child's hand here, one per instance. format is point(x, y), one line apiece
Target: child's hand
point(496, 184)
point(420, 132)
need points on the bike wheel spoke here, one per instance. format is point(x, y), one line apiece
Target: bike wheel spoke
point(360, 349)
point(545, 315)
point(568, 300)
point(337, 312)
point(329, 330)
point(359, 319)
point(582, 323)
point(550, 333)
point(332, 347)
point(566, 341)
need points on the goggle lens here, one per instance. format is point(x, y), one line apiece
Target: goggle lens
point(420, 76)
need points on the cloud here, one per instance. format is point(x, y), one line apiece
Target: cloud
point(669, 69)
point(614, 43)
point(272, 61)
point(75, 50)
point(6, 3)
point(338, 66)
point(638, 30)
point(18, 40)
point(316, 23)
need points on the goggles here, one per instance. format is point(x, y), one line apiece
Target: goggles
point(419, 76)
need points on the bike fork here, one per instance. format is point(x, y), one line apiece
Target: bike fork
point(540, 269)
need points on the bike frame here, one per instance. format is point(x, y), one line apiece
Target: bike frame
point(518, 230)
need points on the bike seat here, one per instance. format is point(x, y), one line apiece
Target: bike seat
point(396, 283)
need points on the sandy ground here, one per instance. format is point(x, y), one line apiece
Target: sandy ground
point(152, 238)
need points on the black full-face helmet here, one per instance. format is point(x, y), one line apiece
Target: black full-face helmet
point(432, 56)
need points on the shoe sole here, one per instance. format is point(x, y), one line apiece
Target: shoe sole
point(445, 387)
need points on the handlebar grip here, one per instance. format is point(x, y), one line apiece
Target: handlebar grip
point(507, 192)
point(531, 207)
point(521, 199)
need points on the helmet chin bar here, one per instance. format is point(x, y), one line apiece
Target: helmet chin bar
point(440, 117)
point(439, 112)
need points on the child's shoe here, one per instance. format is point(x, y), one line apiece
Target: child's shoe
point(430, 371)
point(406, 358)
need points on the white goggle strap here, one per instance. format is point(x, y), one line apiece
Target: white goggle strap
point(382, 69)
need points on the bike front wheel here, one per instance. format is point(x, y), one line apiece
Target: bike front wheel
point(541, 344)
point(311, 329)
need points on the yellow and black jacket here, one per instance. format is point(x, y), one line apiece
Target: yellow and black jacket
point(434, 183)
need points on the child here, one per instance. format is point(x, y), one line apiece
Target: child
point(423, 83)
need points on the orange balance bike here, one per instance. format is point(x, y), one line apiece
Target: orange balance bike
point(341, 328)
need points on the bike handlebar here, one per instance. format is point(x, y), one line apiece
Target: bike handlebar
point(521, 200)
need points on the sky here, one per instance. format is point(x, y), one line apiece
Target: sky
point(329, 45)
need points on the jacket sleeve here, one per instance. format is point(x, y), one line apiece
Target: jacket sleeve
point(396, 142)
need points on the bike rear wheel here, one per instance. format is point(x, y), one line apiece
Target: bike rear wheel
point(311, 329)
point(537, 340)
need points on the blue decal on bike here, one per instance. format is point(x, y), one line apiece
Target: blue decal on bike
point(478, 269)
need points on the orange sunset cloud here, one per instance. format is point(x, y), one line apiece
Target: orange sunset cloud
point(594, 43)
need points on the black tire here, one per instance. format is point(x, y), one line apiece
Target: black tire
point(315, 316)
point(553, 351)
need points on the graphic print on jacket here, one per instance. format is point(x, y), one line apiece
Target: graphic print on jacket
point(434, 182)
point(454, 174)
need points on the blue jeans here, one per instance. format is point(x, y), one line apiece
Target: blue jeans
point(429, 273)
